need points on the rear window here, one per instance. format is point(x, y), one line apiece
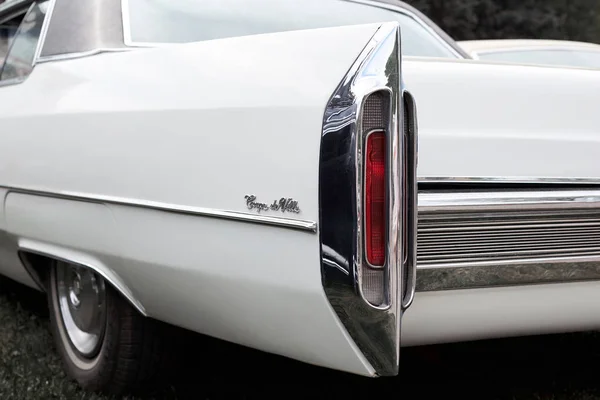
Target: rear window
point(168, 21)
point(8, 30)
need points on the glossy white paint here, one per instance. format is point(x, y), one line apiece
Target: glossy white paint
point(245, 283)
point(205, 110)
point(197, 125)
point(10, 265)
point(475, 47)
point(486, 120)
point(462, 315)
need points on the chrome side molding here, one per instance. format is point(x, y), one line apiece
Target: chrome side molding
point(276, 221)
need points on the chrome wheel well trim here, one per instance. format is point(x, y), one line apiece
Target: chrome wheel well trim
point(54, 253)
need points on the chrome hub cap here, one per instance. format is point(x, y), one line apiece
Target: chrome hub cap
point(82, 297)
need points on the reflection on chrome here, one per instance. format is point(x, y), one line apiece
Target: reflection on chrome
point(371, 314)
point(470, 239)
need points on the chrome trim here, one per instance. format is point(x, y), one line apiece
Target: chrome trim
point(24, 248)
point(521, 49)
point(81, 54)
point(411, 197)
point(44, 30)
point(526, 272)
point(127, 31)
point(363, 267)
point(444, 202)
point(414, 17)
point(281, 222)
point(375, 330)
point(505, 238)
point(534, 180)
point(126, 25)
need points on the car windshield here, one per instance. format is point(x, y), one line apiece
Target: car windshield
point(559, 57)
point(168, 21)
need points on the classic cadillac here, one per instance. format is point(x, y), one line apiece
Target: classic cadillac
point(250, 173)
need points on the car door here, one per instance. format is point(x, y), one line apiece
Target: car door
point(20, 32)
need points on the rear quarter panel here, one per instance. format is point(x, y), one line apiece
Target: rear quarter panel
point(198, 125)
point(480, 119)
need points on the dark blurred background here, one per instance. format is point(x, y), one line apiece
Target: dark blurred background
point(515, 19)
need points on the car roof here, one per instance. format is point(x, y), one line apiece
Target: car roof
point(493, 45)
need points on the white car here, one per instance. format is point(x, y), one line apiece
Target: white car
point(188, 162)
point(541, 52)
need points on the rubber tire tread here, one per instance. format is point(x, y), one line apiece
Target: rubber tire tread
point(134, 357)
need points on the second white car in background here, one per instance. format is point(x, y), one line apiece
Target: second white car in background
point(541, 52)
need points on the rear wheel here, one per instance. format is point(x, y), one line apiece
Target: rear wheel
point(105, 344)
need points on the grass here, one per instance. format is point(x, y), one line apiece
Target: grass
point(556, 367)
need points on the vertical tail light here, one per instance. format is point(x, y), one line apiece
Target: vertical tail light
point(375, 199)
point(366, 183)
point(375, 187)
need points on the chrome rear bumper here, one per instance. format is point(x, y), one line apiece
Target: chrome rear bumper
point(474, 239)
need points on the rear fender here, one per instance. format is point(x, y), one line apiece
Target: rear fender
point(169, 145)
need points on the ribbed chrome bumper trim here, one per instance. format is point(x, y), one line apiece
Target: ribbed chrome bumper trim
point(504, 238)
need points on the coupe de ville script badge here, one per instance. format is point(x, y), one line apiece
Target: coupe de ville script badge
point(283, 204)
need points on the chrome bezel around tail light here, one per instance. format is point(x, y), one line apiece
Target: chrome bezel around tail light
point(371, 318)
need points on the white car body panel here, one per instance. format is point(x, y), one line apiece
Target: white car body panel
point(489, 120)
point(475, 314)
point(498, 45)
point(10, 265)
point(220, 127)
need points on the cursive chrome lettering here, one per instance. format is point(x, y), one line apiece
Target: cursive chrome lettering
point(252, 204)
point(283, 204)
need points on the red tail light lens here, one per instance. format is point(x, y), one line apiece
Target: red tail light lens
point(375, 189)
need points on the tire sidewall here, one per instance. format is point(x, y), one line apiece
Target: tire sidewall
point(93, 373)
